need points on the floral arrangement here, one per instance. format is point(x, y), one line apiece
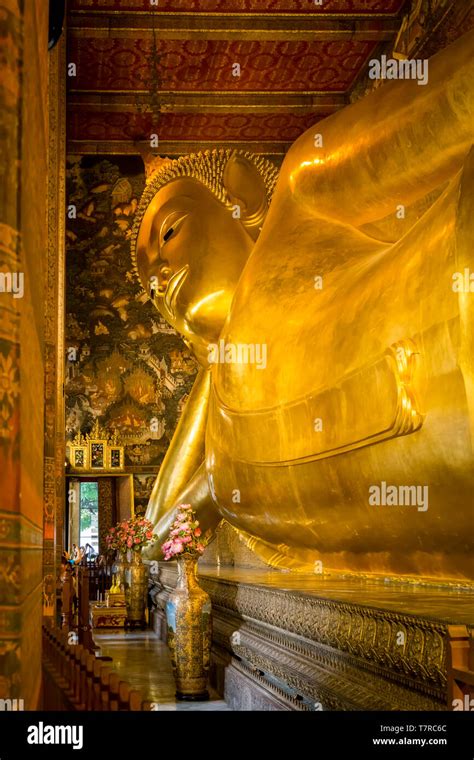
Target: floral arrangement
point(133, 534)
point(185, 537)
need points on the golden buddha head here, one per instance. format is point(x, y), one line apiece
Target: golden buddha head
point(195, 226)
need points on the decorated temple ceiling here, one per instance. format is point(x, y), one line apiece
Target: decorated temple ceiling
point(299, 63)
point(207, 65)
point(245, 6)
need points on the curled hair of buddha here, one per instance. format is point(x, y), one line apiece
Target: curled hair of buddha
point(209, 168)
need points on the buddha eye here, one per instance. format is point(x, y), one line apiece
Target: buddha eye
point(171, 225)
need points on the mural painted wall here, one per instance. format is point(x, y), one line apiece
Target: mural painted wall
point(124, 364)
point(142, 487)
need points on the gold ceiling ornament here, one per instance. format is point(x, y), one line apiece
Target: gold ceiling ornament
point(96, 450)
point(207, 167)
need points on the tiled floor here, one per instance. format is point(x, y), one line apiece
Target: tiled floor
point(144, 662)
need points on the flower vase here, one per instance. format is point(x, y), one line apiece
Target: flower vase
point(136, 589)
point(188, 616)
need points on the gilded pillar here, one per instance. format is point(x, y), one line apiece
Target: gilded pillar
point(10, 518)
point(23, 130)
point(54, 439)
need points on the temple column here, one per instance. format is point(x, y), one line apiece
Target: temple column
point(54, 437)
point(23, 194)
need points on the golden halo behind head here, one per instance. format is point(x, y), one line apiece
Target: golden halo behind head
point(207, 167)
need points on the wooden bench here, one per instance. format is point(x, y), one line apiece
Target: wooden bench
point(75, 679)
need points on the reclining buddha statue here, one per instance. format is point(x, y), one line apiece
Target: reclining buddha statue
point(331, 310)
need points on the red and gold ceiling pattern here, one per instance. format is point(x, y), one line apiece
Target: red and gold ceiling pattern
point(123, 64)
point(209, 128)
point(298, 63)
point(243, 6)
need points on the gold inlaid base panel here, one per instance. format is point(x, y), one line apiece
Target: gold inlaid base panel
point(346, 643)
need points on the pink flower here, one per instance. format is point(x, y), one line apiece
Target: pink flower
point(183, 532)
point(129, 543)
point(200, 548)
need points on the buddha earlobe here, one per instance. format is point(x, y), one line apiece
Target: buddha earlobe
point(245, 188)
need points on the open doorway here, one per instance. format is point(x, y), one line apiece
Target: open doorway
point(89, 514)
point(94, 505)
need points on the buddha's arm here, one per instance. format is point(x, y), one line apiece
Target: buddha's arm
point(390, 148)
point(186, 451)
point(195, 492)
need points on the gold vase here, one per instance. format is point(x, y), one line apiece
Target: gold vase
point(136, 588)
point(188, 615)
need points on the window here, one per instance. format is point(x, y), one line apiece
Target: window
point(89, 514)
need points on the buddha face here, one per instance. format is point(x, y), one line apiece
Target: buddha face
point(190, 255)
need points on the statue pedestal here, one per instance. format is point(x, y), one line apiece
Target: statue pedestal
point(283, 641)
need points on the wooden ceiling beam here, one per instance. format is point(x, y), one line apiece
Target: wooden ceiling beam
point(171, 148)
point(207, 102)
point(230, 26)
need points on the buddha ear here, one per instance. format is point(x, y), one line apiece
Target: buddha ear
point(245, 188)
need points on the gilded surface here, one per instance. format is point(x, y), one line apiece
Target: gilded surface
point(343, 655)
point(23, 150)
point(188, 614)
point(367, 377)
point(136, 588)
point(54, 445)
